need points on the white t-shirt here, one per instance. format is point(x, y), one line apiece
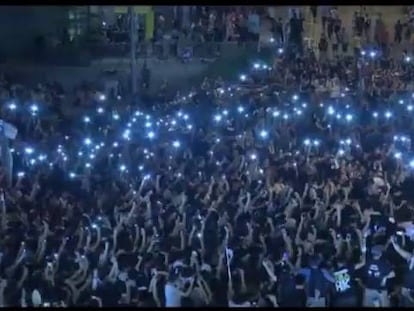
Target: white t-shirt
point(172, 296)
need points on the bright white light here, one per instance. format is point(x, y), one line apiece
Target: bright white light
point(148, 124)
point(338, 116)
point(316, 142)
point(375, 114)
point(115, 144)
point(141, 167)
point(240, 109)
point(34, 108)
point(100, 110)
point(122, 168)
point(72, 175)
point(285, 116)
point(256, 66)
point(12, 106)
point(151, 135)
point(401, 102)
point(185, 117)
point(115, 116)
point(20, 174)
point(102, 97)
point(276, 114)
point(87, 141)
point(348, 141)
point(272, 40)
point(176, 144)
point(225, 112)
point(217, 118)
point(397, 155)
point(410, 108)
point(243, 77)
point(408, 59)
point(126, 134)
point(253, 156)
point(189, 127)
point(264, 134)
point(307, 142)
point(363, 53)
point(331, 110)
point(28, 150)
point(388, 114)
point(349, 117)
point(295, 97)
point(280, 51)
point(42, 157)
point(411, 164)
point(372, 54)
point(341, 152)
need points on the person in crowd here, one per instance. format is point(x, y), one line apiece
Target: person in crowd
point(407, 299)
point(398, 30)
point(376, 275)
point(323, 48)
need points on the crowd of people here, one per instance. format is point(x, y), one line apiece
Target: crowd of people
point(290, 187)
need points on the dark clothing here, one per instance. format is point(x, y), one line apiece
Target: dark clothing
point(345, 302)
point(344, 283)
point(408, 280)
point(375, 270)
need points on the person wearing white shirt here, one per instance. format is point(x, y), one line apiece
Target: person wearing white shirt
point(173, 292)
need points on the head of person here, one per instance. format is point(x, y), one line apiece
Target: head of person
point(314, 261)
point(376, 252)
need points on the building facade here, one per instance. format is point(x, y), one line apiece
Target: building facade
point(22, 25)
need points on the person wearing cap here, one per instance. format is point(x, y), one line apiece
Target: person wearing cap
point(377, 271)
